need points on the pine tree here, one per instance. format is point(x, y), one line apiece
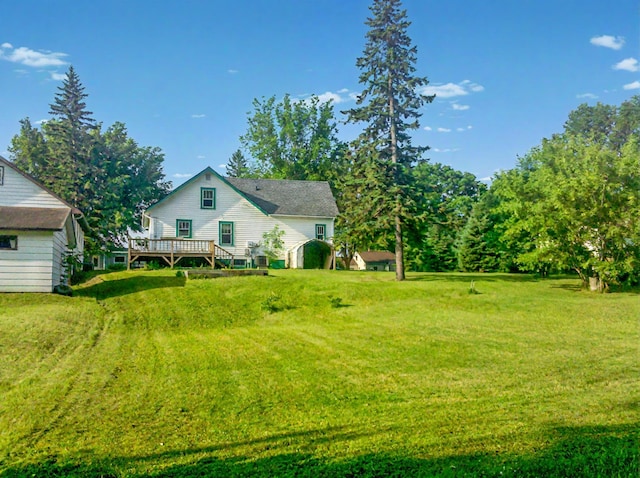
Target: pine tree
point(237, 167)
point(70, 141)
point(389, 104)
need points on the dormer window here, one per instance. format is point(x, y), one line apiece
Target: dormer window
point(207, 198)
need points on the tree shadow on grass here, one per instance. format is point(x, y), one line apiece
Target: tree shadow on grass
point(101, 289)
point(571, 451)
point(468, 277)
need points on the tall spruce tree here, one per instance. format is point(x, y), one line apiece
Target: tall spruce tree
point(70, 142)
point(104, 173)
point(389, 104)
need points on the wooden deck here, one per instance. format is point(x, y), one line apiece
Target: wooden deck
point(174, 250)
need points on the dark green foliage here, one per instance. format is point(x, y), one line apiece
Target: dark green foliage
point(238, 166)
point(316, 254)
point(481, 245)
point(383, 155)
point(444, 199)
point(104, 173)
point(608, 125)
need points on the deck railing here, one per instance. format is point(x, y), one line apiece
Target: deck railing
point(184, 246)
point(173, 250)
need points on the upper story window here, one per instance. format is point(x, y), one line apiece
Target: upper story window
point(321, 232)
point(9, 242)
point(183, 228)
point(1, 175)
point(207, 198)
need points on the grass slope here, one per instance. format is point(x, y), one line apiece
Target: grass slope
point(147, 374)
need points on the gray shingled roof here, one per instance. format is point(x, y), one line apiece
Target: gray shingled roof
point(33, 218)
point(288, 197)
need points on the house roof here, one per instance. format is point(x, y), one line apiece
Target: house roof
point(277, 196)
point(378, 256)
point(288, 197)
point(76, 212)
point(33, 218)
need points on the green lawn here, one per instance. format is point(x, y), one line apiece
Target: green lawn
point(147, 374)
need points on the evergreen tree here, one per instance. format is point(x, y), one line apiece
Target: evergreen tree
point(389, 104)
point(105, 174)
point(238, 167)
point(70, 142)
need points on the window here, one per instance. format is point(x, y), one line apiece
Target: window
point(226, 234)
point(321, 232)
point(9, 242)
point(183, 228)
point(207, 198)
point(1, 175)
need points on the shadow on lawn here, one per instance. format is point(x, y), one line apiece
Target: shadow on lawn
point(113, 288)
point(468, 277)
point(571, 451)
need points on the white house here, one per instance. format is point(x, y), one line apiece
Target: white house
point(234, 213)
point(373, 261)
point(37, 229)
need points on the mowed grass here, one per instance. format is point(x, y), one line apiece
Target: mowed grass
point(148, 374)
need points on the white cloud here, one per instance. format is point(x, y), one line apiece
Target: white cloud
point(329, 96)
point(443, 130)
point(427, 128)
point(57, 76)
point(469, 127)
point(42, 121)
point(590, 96)
point(628, 64)
point(445, 150)
point(608, 41)
point(232, 71)
point(451, 90)
point(343, 90)
point(198, 116)
point(28, 57)
point(182, 175)
point(459, 107)
point(222, 166)
point(461, 129)
point(632, 86)
point(200, 156)
point(6, 45)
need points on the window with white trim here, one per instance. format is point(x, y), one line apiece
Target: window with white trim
point(321, 232)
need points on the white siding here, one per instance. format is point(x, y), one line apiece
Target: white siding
point(29, 268)
point(17, 190)
point(249, 222)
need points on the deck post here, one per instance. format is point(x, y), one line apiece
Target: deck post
point(129, 253)
point(172, 246)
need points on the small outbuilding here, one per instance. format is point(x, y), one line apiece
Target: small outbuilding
point(38, 231)
point(374, 261)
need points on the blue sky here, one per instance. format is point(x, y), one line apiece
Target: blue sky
point(182, 74)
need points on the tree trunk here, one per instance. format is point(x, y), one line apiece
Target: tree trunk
point(398, 199)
